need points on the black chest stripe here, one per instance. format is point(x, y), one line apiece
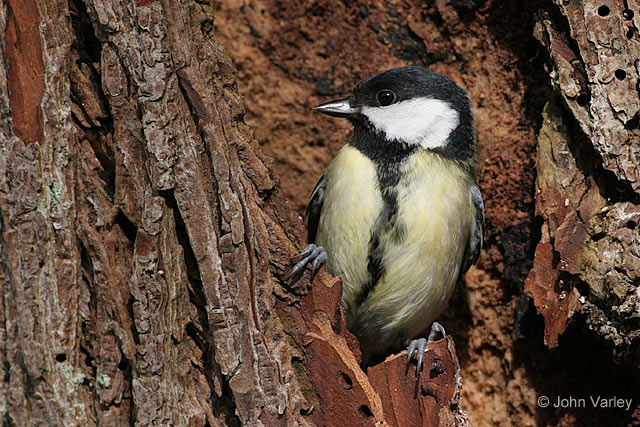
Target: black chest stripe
point(385, 222)
point(388, 158)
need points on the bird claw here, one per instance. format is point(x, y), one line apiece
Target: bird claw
point(436, 328)
point(317, 262)
point(316, 255)
point(418, 346)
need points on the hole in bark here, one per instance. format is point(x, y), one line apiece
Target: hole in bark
point(206, 26)
point(631, 225)
point(627, 14)
point(61, 357)
point(123, 365)
point(630, 33)
point(128, 228)
point(345, 381)
point(88, 360)
point(86, 42)
point(429, 389)
point(583, 288)
point(583, 99)
point(633, 123)
point(195, 334)
point(364, 409)
point(603, 10)
point(536, 230)
point(621, 74)
point(306, 410)
point(437, 369)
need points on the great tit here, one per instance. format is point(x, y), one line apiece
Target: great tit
point(398, 213)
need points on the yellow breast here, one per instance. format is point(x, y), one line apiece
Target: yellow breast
point(351, 204)
point(423, 265)
point(422, 251)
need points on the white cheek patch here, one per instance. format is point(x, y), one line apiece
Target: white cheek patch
point(422, 121)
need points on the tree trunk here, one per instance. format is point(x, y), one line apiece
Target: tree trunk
point(588, 182)
point(144, 241)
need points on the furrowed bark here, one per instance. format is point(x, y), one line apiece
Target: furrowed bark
point(588, 185)
point(144, 241)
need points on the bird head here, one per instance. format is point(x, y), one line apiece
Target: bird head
point(413, 106)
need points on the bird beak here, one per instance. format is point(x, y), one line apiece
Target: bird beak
point(338, 108)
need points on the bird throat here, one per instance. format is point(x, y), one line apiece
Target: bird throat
point(377, 148)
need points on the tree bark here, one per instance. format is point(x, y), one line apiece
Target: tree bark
point(144, 241)
point(588, 185)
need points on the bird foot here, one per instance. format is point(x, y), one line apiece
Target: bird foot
point(316, 255)
point(418, 346)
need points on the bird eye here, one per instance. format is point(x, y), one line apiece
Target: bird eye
point(385, 97)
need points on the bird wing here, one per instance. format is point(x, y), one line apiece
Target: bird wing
point(314, 206)
point(472, 252)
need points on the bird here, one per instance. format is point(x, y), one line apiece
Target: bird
point(398, 213)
